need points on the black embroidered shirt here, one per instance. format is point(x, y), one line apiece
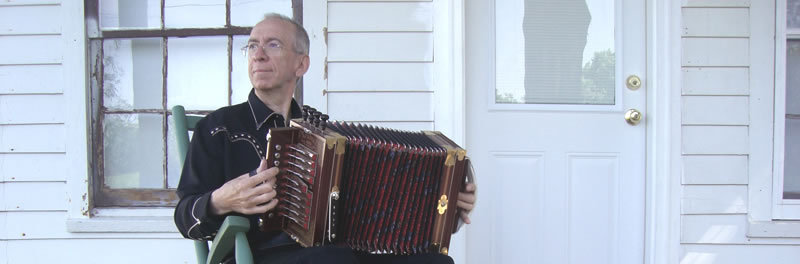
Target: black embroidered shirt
point(226, 143)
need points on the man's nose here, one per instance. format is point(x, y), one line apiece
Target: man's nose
point(260, 54)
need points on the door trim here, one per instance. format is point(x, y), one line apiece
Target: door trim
point(663, 136)
point(448, 70)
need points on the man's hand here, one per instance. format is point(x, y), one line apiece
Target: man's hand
point(247, 194)
point(466, 201)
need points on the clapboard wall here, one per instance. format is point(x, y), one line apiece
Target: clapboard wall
point(380, 58)
point(724, 62)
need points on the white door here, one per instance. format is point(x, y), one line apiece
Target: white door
point(561, 173)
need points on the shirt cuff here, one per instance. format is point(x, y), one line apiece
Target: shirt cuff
point(209, 222)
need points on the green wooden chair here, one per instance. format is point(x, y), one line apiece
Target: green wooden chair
point(233, 233)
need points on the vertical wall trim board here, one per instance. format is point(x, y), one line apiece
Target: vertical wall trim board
point(76, 122)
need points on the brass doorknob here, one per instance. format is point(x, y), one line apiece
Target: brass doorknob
point(634, 82)
point(633, 116)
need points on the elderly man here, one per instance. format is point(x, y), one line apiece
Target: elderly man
point(225, 166)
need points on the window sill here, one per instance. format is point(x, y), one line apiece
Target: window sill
point(774, 229)
point(125, 220)
point(158, 224)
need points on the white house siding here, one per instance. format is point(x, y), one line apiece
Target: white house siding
point(716, 63)
point(380, 63)
point(34, 146)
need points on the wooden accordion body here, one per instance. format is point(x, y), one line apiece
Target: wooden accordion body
point(369, 188)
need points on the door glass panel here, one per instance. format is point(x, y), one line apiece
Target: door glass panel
point(555, 52)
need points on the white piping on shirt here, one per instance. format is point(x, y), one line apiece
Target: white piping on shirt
point(255, 119)
point(196, 224)
point(242, 136)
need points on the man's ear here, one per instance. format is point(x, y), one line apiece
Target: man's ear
point(302, 67)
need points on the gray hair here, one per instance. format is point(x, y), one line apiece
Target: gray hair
point(301, 41)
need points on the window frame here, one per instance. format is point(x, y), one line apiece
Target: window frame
point(782, 209)
point(762, 226)
point(101, 195)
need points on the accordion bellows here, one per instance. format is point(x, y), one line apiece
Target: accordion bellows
point(369, 188)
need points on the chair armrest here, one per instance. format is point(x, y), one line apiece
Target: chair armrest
point(227, 236)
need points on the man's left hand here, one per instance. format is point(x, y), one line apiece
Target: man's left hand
point(466, 201)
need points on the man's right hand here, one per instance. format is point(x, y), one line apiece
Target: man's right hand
point(246, 194)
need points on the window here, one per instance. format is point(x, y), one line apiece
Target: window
point(145, 58)
point(786, 188)
point(568, 58)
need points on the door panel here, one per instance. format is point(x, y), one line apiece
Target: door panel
point(510, 187)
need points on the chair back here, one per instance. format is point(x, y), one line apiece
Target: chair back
point(183, 124)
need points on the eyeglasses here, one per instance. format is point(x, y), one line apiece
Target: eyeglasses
point(272, 48)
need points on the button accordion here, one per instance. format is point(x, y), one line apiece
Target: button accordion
point(369, 188)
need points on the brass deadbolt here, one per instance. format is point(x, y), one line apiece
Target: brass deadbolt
point(633, 82)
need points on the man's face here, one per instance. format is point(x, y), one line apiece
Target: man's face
point(270, 67)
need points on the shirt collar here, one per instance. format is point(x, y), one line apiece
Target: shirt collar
point(262, 114)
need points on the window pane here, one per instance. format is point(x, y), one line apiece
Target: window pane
point(791, 164)
point(197, 72)
point(555, 52)
point(792, 77)
point(240, 80)
point(793, 14)
point(130, 14)
point(247, 13)
point(791, 175)
point(133, 151)
point(132, 77)
point(194, 13)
